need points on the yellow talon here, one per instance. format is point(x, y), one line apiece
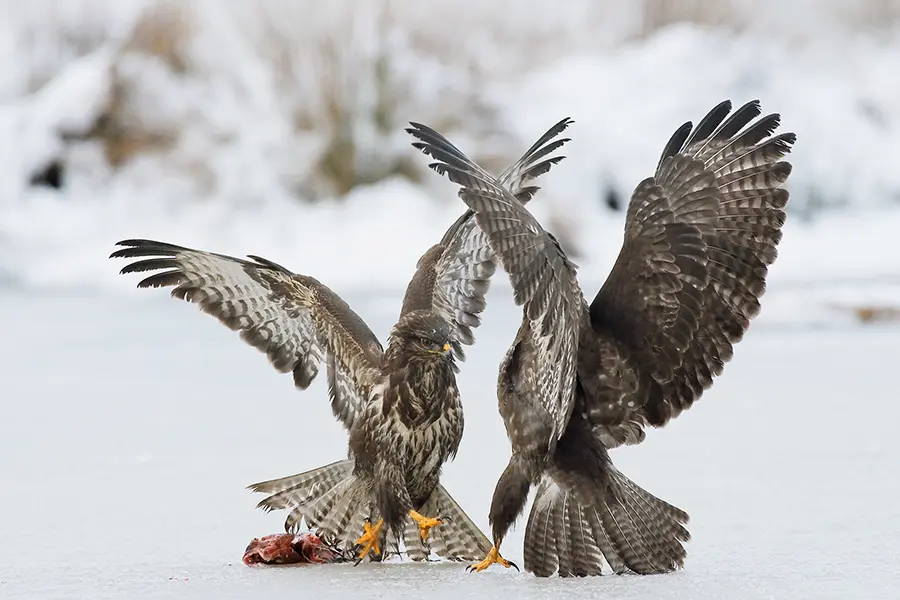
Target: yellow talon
point(369, 539)
point(493, 557)
point(425, 524)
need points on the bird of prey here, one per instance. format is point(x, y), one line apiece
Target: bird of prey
point(400, 405)
point(581, 379)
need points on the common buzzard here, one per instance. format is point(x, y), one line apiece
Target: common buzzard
point(400, 406)
point(580, 379)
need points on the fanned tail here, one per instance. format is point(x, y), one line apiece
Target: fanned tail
point(458, 539)
point(573, 531)
point(335, 503)
point(330, 500)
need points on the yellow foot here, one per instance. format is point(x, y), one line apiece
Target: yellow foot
point(425, 524)
point(369, 539)
point(493, 557)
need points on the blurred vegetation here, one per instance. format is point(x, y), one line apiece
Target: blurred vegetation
point(350, 73)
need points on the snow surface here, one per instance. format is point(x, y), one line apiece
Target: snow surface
point(132, 423)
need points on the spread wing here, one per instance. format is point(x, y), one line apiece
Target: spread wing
point(452, 278)
point(699, 237)
point(543, 278)
point(295, 320)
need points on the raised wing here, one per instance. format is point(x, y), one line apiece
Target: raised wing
point(543, 278)
point(699, 237)
point(295, 320)
point(453, 277)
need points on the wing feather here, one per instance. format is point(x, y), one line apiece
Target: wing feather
point(453, 276)
point(543, 278)
point(294, 319)
point(699, 238)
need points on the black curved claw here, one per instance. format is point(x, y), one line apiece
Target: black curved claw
point(471, 568)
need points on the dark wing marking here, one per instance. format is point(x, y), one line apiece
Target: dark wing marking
point(453, 277)
point(542, 277)
point(295, 320)
point(699, 237)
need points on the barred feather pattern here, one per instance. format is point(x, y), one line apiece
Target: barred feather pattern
point(621, 529)
point(333, 502)
point(453, 277)
point(543, 278)
point(330, 500)
point(401, 406)
point(700, 237)
point(295, 320)
point(461, 540)
point(347, 400)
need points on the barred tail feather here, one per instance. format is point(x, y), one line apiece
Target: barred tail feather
point(299, 489)
point(330, 500)
point(458, 539)
point(621, 524)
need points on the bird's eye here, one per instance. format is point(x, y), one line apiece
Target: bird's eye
point(428, 343)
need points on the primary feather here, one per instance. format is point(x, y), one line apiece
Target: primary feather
point(400, 404)
point(700, 235)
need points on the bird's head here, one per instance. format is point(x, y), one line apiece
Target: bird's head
point(423, 334)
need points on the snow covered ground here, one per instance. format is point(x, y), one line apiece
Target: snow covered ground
point(131, 424)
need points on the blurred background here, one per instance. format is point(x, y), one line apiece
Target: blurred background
point(132, 423)
point(276, 127)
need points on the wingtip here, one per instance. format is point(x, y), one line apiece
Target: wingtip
point(417, 129)
point(134, 248)
point(420, 146)
point(129, 243)
point(123, 252)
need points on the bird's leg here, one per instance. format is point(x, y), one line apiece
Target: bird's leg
point(507, 504)
point(369, 539)
point(425, 523)
point(493, 558)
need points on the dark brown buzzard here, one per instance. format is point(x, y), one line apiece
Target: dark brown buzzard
point(400, 406)
point(580, 379)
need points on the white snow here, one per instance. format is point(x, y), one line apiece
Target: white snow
point(234, 171)
point(131, 426)
point(131, 423)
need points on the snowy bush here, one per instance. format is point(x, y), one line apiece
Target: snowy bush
point(219, 118)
